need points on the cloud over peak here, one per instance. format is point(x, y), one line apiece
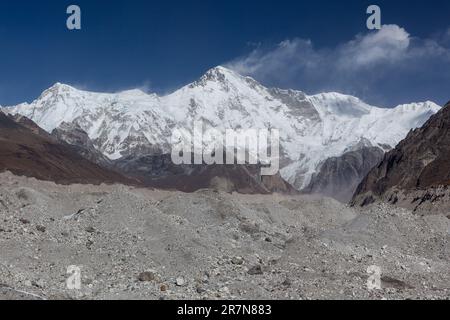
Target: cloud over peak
point(384, 66)
point(388, 44)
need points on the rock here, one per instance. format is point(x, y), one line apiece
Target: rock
point(90, 229)
point(180, 282)
point(206, 277)
point(24, 221)
point(255, 270)
point(39, 284)
point(40, 228)
point(199, 289)
point(146, 276)
point(225, 290)
point(163, 287)
point(392, 283)
point(287, 282)
point(237, 260)
point(89, 244)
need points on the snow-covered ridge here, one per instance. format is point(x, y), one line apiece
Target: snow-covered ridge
point(312, 128)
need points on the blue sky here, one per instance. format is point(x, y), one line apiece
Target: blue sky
point(161, 45)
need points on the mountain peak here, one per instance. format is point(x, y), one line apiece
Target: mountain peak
point(134, 93)
point(61, 86)
point(219, 73)
point(224, 77)
point(58, 89)
point(221, 69)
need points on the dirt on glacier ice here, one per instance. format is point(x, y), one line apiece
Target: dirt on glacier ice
point(131, 243)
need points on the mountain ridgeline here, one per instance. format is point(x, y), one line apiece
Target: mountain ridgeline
point(27, 150)
point(328, 141)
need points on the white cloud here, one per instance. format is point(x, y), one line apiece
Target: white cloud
point(388, 44)
point(362, 66)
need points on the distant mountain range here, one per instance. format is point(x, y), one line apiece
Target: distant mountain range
point(329, 141)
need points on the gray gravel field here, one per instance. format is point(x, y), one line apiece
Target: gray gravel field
point(133, 243)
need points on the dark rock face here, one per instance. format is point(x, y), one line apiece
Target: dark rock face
point(158, 171)
point(27, 150)
point(339, 177)
point(418, 165)
point(80, 142)
point(29, 124)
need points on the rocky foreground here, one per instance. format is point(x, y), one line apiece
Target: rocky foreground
point(146, 244)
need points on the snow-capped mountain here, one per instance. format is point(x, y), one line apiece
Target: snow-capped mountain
point(312, 128)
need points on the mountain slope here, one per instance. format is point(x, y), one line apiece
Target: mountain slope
point(416, 171)
point(312, 128)
point(339, 177)
point(32, 153)
point(158, 171)
point(78, 139)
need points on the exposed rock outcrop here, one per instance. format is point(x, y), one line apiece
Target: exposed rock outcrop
point(416, 172)
point(339, 176)
point(79, 140)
